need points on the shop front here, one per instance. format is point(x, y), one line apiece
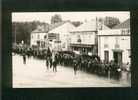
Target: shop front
point(82, 48)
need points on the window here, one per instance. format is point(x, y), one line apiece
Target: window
point(45, 37)
point(32, 36)
point(105, 42)
point(116, 39)
point(38, 36)
point(106, 56)
point(78, 36)
point(75, 48)
point(123, 32)
point(105, 45)
point(117, 46)
point(79, 40)
point(105, 38)
point(128, 31)
point(64, 45)
point(129, 53)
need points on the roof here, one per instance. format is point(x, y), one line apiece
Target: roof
point(89, 26)
point(66, 26)
point(41, 29)
point(45, 29)
point(125, 24)
point(114, 32)
point(105, 27)
point(53, 26)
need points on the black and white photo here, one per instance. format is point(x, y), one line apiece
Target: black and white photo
point(71, 49)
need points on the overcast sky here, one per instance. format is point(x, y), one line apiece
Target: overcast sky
point(73, 16)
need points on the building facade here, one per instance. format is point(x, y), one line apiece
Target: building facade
point(62, 32)
point(39, 36)
point(55, 36)
point(84, 38)
point(115, 44)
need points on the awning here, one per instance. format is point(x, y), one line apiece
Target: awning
point(81, 45)
point(117, 50)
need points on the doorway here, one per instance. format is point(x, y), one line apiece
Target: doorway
point(117, 57)
point(106, 56)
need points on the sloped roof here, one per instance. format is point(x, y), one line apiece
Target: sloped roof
point(125, 24)
point(112, 32)
point(105, 27)
point(42, 28)
point(57, 27)
point(89, 26)
point(53, 26)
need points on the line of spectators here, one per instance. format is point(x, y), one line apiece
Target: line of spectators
point(91, 64)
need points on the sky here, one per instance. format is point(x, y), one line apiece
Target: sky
point(73, 16)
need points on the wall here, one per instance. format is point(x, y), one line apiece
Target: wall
point(64, 34)
point(34, 37)
point(108, 43)
point(86, 38)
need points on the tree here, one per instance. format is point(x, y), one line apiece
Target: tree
point(111, 21)
point(56, 18)
point(76, 23)
point(22, 30)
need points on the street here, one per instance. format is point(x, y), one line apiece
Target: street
point(34, 74)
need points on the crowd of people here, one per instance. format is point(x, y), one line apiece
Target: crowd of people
point(90, 64)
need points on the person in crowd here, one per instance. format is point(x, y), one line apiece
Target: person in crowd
point(111, 66)
point(55, 61)
point(107, 69)
point(95, 65)
point(119, 71)
point(48, 58)
point(128, 70)
point(49, 53)
point(50, 61)
point(75, 66)
point(47, 62)
point(24, 58)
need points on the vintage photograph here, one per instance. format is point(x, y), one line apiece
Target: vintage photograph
point(71, 49)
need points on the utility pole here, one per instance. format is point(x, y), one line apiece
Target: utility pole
point(96, 38)
point(15, 33)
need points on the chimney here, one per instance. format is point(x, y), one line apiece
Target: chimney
point(96, 24)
